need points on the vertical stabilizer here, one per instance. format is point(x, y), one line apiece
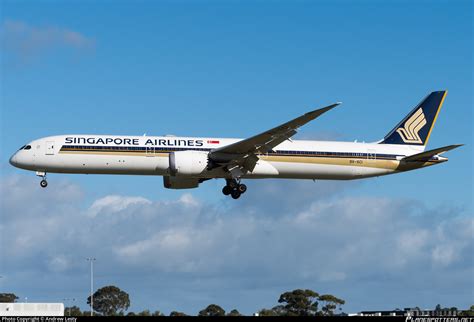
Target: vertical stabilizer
point(416, 127)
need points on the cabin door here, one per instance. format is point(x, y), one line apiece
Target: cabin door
point(49, 148)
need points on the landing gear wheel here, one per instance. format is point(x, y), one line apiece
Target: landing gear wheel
point(226, 190)
point(232, 184)
point(43, 183)
point(235, 194)
point(242, 188)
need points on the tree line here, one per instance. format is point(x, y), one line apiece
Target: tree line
point(112, 301)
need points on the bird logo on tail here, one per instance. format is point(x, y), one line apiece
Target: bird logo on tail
point(411, 128)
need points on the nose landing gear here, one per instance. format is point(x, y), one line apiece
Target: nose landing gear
point(234, 188)
point(43, 182)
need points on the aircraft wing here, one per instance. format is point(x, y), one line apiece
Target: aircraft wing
point(241, 156)
point(425, 156)
point(267, 140)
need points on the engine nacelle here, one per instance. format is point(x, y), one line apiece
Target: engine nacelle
point(187, 163)
point(180, 183)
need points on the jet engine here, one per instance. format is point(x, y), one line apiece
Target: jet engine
point(188, 163)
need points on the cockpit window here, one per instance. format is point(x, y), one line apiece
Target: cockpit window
point(22, 147)
point(28, 147)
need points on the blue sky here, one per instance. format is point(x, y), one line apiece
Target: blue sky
point(233, 69)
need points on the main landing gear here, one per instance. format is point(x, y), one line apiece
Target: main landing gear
point(43, 183)
point(234, 188)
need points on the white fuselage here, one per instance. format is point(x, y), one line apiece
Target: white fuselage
point(149, 155)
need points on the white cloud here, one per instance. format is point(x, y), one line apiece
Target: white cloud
point(410, 245)
point(26, 41)
point(452, 237)
point(188, 200)
point(170, 241)
point(169, 250)
point(113, 204)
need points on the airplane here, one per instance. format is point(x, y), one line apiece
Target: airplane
point(185, 162)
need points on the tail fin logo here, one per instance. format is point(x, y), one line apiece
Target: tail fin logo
point(411, 128)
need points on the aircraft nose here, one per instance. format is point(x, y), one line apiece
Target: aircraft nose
point(13, 160)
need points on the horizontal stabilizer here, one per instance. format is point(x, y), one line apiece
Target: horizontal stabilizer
point(425, 156)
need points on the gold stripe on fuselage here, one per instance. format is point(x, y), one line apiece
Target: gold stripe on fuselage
point(354, 162)
point(342, 161)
